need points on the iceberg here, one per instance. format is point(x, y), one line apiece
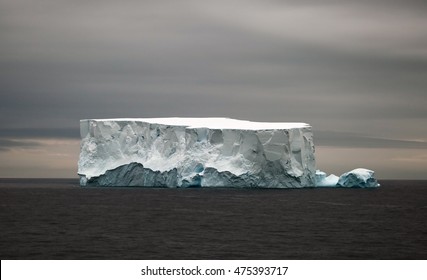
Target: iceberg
point(195, 152)
point(326, 181)
point(356, 178)
point(359, 177)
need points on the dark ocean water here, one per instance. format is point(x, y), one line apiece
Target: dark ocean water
point(56, 219)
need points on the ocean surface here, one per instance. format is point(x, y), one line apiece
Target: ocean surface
point(57, 219)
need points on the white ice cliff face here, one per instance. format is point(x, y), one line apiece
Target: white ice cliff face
point(195, 152)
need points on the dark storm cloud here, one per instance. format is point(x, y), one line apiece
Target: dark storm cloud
point(351, 66)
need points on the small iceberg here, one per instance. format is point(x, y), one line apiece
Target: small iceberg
point(356, 178)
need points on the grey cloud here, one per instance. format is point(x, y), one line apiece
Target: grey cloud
point(344, 26)
point(31, 133)
point(354, 140)
point(7, 144)
point(339, 65)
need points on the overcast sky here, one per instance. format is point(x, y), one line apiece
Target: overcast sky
point(355, 70)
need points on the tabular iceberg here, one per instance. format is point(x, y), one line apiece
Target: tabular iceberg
point(195, 152)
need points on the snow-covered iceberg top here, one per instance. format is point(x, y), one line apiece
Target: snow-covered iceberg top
point(359, 177)
point(182, 152)
point(211, 123)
